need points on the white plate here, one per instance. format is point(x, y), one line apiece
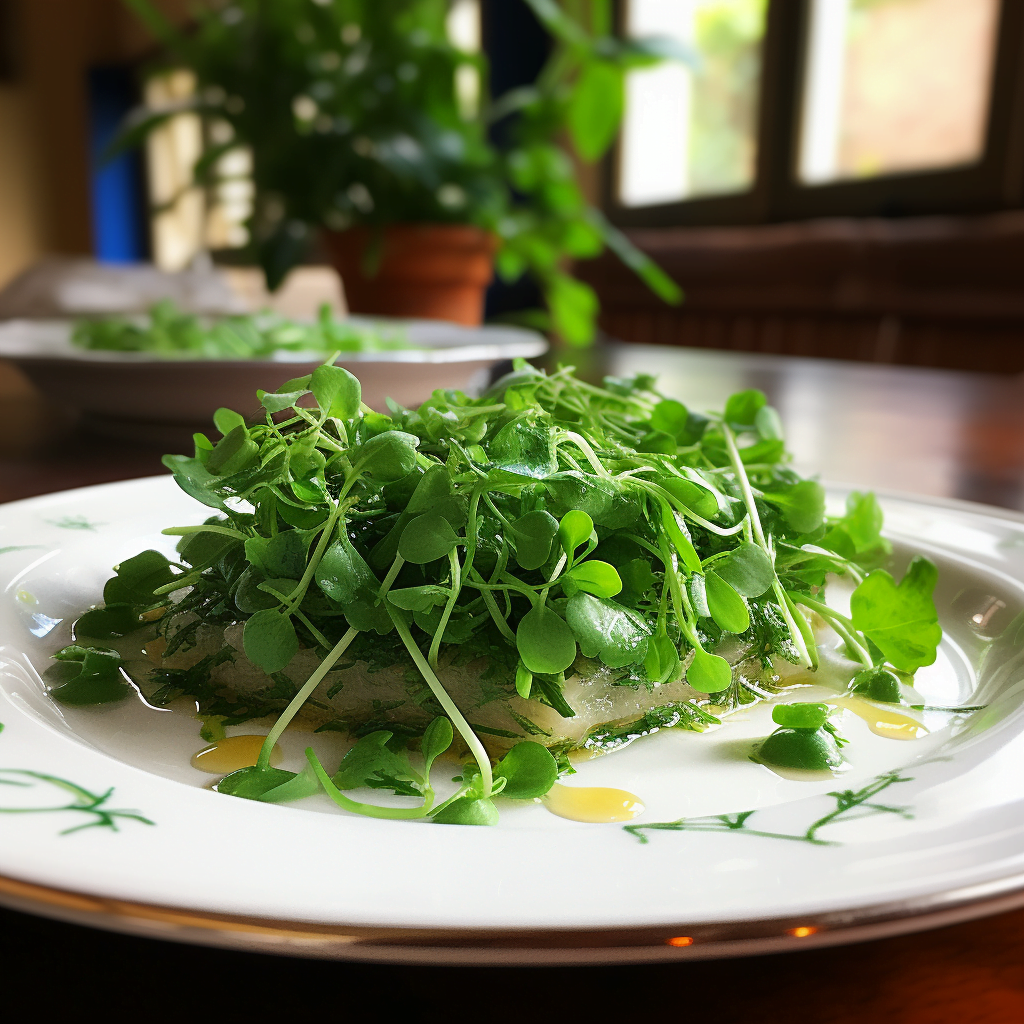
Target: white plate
point(940, 841)
point(119, 391)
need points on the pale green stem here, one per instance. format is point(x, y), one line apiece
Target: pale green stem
point(184, 531)
point(302, 696)
point(450, 707)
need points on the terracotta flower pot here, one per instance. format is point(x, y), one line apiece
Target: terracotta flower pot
point(433, 271)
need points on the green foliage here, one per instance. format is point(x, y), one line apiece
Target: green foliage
point(528, 769)
point(169, 333)
point(435, 529)
point(800, 716)
point(353, 116)
point(900, 621)
point(87, 675)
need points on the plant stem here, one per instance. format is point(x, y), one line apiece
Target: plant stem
point(450, 707)
point(325, 666)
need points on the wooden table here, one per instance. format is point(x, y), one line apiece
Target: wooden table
point(933, 432)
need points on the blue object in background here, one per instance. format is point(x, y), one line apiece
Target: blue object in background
point(119, 217)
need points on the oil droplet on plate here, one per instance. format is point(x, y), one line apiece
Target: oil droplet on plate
point(882, 722)
point(595, 804)
point(228, 755)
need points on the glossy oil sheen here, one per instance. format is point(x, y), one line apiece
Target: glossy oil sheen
point(882, 722)
point(230, 754)
point(594, 804)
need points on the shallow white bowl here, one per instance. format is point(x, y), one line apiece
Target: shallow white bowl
point(149, 398)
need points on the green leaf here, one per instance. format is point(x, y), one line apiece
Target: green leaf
point(282, 556)
point(878, 684)
point(801, 716)
point(371, 757)
point(708, 673)
point(605, 629)
point(669, 416)
point(253, 783)
point(637, 581)
point(529, 771)
point(662, 661)
point(574, 529)
point(574, 307)
point(696, 498)
point(596, 577)
point(343, 574)
point(679, 535)
point(532, 535)
point(524, 681)
point(427, 538)
point(225, 420)
point(741, 408)
point(114, 620)
point(545, 643)
point(727, 608)
point(607, 502)
point(388, 456)
point(274, 402)
point(524, 447)
point(269, 640)
point(437, 738)
point(900, 620)
point(747, 569)
point(137, 577)
point(232, 453)
point(468, 810)
point(803, 749)
point(88, 675)
point(768, 423)
point(336, 391)
point(595, 108)
point(802, 505)
point(419, 599)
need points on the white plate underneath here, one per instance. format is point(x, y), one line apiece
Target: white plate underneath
point(916, 834)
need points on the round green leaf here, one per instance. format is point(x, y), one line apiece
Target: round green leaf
point(524, 681)
point(468, 811)
point(427, 538)
point(596, 577)
point(532, 535)
point(529, 770)
point(804, 749)
point(669, 416)
point(574, 529)
point(708, 673)
point(747, 569)
point(336, 391)
point(252, 783)
point(727, 608)
point(741, 408)
point(800, 716)
point(878, 684)
point(546, 644)
point(269, 640)
point(388, 456)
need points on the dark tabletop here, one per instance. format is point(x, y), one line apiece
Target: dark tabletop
point(933, 432)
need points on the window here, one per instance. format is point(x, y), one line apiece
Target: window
point(810, 108)
point(692, 131)
point(894, 85)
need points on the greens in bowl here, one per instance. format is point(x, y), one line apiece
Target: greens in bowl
point(550, 569)
point(170, 333)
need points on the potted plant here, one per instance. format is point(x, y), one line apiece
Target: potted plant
point(362, 125)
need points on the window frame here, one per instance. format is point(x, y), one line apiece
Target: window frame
point(994, 182)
